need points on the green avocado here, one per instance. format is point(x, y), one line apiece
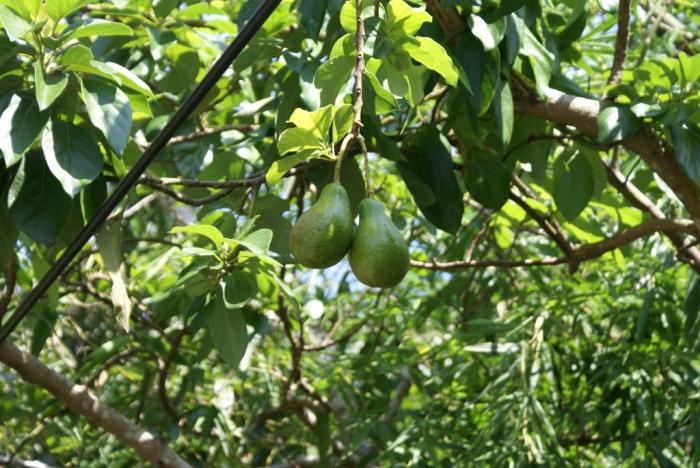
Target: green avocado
point(379, 254)
point(322, 235)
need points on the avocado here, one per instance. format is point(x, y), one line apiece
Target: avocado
point(322, 235)
point(379, 254)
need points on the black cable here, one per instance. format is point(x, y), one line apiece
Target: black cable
point(181, 114)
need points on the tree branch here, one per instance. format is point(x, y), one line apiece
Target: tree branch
point(579, 254)
point(10, 283)
point(582, 113)
point(76, 397)
point(621, 41)
point(163, 371)
point(637, 198)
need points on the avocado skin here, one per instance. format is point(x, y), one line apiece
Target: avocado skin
point(379, 254)
point(322, 235)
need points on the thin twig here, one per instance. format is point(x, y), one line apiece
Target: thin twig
point(355, 130)
point(579, 254)
point(621, 41)
point(344, 337)
point(10, 283)
point(686, 253)
point(163, 371)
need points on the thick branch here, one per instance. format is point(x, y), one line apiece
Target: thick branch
point(582, 113)
point(579, 254)
point(81, 401)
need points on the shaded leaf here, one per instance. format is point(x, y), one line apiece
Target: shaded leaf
point(572, 184)
point(228, 332)
point(616, 123)
point(20, 125)
point(38, 205)
point(487, 179)
point(429, 175)
point(71, 154)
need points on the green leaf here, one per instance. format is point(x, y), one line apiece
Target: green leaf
point(600, 174)
point(228, 332)
point(48, 87)
point(686, 144)
point(38, 205)
point(430, 177)
point(76, 55)
point(126, 77)
point(15, 25)
point(8, 233)
point(58, 9)
point(98, 27)
point(503, 113)
point(403, 20)
point(541, 60)
point(205, 230)
point(333, 78)
point(92, 196)
point(280, 167)
point(110, 111)
point(20, 125)
point(311, 13)
point(298, 139)
point(481, 31)
point(237, 289)
point(487, 179)
point(71, 154)
point(109, 242)
point(572, 186)
point(46, 319)
point(184, 68)
point(616, 123)
point(317, 122)
point(27, 9)
point(258, 241)
point(431, 54)
point(381, 99)
point(644, 314)
point(574, 27)
point(691, 305)
point(342, 121)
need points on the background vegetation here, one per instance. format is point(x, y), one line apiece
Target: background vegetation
point(541, 157)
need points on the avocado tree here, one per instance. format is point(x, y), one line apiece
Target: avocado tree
point(520, 286)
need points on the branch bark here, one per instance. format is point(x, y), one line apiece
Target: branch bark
point(77, 398)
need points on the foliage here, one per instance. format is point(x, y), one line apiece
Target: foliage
point(189, 316)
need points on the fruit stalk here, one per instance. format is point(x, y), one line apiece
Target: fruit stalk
point(355, 130)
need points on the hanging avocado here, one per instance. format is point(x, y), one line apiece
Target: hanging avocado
point(379, 254)
point(322, 235)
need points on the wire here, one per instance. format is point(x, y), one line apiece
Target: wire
point(181, 114)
